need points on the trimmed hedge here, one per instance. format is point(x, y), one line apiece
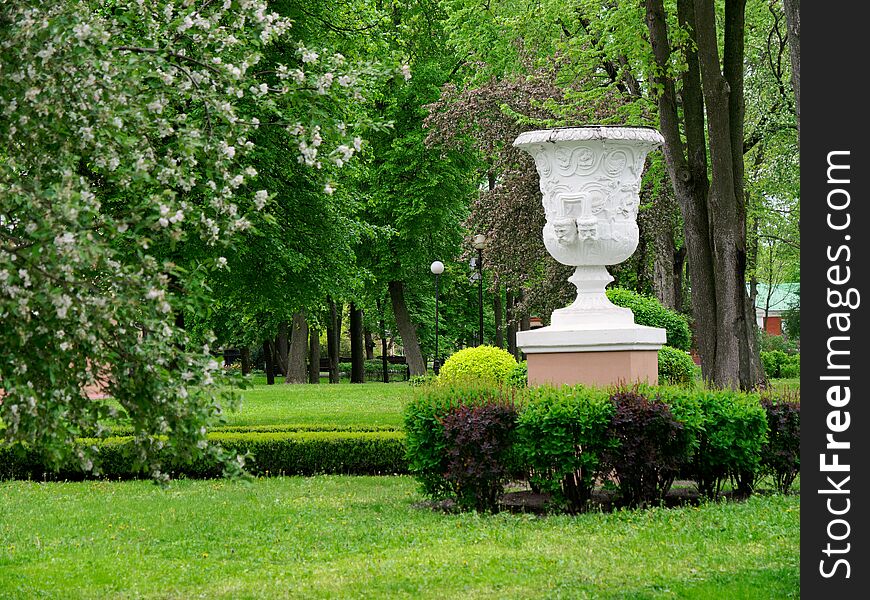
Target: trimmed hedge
point(728, 428)
point(270, 453)
point(676, 366)
point(569, 438)
point(649, 311)
point(561, 436)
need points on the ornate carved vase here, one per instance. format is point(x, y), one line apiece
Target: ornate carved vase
point(590, 182)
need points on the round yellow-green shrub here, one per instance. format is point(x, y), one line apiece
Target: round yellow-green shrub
point(483, 364)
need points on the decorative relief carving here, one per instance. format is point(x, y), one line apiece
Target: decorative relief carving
point(589, 181)
point(590, 186)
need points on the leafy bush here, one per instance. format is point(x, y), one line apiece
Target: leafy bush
point(768, 342)
point(519, 377)
point(676, 366)
point(649, 311)
point(421, 380)
point(561, 434)
point(728, 429)
point(651, 447)
point(427, 447)
point(270, 453)
point(773, 361)
point(781, 453)
point(791, 368)
point(483, 364)
point(478, 440)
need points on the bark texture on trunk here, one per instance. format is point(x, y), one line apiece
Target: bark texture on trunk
point(498, 311)
point(793, 22)
point(282, 347)
point(511, 323)
point(382, 331)
point(297, 371)
point(357, 351)
point(270, 362)
point(370, 344)
point(246, 360)
point(314, 356)
point(407, 330)
point(713, 208)
point(333, 341)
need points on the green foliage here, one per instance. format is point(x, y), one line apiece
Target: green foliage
point(269, 453)
point(773, 361)
point(778, 364)
point(519, 377)
point(676, 367)
point(791, 368)
point(483, 364)
point(729, 429)
point(768, 342)
point(130, 149)
point(421, 380)
point(561, 435)
point(649, 311)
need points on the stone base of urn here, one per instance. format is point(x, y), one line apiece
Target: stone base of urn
point(599, 357)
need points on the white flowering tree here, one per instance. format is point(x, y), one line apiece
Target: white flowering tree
point(127, 130)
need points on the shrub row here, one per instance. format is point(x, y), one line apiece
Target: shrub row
point(462, 443)
point(124, 430)
point(270, 453)
point(373, 367)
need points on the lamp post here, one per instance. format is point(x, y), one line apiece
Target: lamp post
point(479, 242)
point(437, 268)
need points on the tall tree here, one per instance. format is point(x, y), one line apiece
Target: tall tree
point(128, 132)
point(713, 205)
point(793, 19)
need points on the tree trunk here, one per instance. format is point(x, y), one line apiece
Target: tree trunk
point(717, 261)
point(498, 310)
point(245, 353)
point(413, 355)
point(296, 367)
point(793, 22)
point(663, 267)
point(382, 330)
point(370, 344)
point(357, 351)
point(679, 266)
point(511, 323)
point(282, 347)
point(270, 362)
point(314, 356)
point(333, 342)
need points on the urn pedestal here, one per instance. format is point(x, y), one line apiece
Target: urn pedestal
point(590, 186)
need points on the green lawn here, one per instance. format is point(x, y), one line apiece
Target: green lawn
point(361, 537)
point(340, 404)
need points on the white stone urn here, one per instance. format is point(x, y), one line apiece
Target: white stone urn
point(590, 182)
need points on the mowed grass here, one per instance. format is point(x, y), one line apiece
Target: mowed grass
point(362, 537)
point(341, 404)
